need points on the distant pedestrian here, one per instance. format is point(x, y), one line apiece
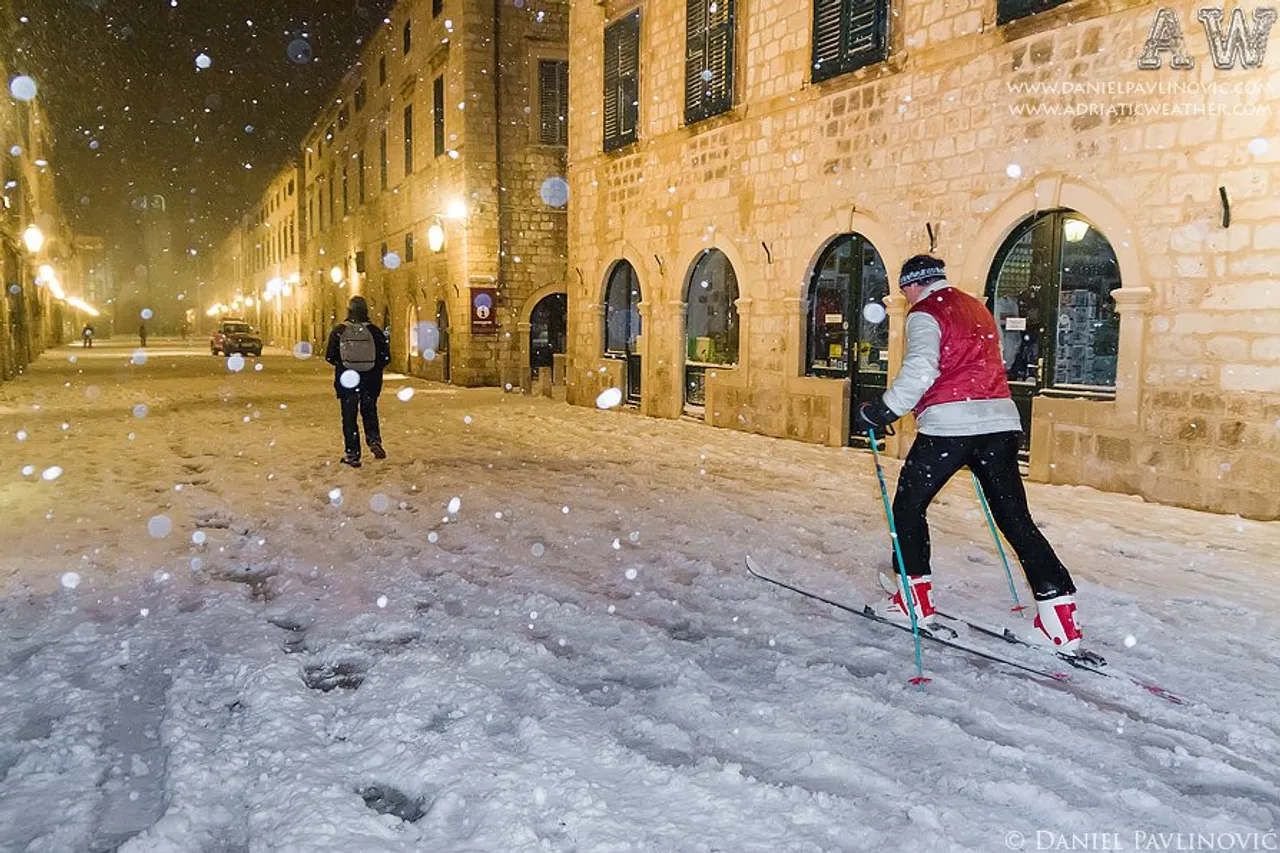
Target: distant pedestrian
point(87, 336)
point(142, 335)
point(358, 351)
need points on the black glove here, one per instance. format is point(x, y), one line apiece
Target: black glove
point(875, 415)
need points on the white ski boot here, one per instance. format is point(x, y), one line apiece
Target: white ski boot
point(1056, 619)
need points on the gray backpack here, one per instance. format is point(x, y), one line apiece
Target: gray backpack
point(356, 348)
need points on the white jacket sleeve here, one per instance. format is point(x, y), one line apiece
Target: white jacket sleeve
point(919, 367)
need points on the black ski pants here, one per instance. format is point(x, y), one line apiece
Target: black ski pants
point(933, 460)
point(365, 404)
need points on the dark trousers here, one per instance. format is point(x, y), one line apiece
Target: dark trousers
point(367, 406)
point(933, 460)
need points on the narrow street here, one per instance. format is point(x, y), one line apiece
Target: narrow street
point(530, 628)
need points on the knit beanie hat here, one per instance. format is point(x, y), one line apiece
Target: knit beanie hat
point(921, 269)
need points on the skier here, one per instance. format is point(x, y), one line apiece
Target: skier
point(86, 336)
point(953, 379)
point(358, 351)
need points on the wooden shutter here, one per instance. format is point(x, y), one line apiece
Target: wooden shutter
point(553, 101)
point(629, 76)
point(865, 37)
point(708, 58)
point(562, 103)
point(719, 90)
point(695, 59)
point(611, 44)
point(847, 35)
point(1012, 10)
point(621, 81)
point(828, 32)
point(437, 94)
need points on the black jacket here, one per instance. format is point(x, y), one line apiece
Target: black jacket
point(370, 380)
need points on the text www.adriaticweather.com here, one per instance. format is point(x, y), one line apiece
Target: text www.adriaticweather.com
point(1139, 110)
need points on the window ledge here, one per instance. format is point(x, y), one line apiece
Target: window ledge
point(893, 64)
point(622, 151)
point(734, 114)
point(1083, 393)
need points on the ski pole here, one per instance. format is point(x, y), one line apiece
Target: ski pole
point(1004, 558)
point(907, 593)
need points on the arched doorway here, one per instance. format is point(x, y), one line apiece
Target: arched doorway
point(413, 330)
point(622, 324)
point(442, 348)
point(1049, 289)
point(548, 331)
point(848, 330)
point(711, 324)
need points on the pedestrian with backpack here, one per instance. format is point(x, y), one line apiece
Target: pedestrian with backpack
point(358, 351)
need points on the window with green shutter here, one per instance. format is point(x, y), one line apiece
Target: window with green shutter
point(621, 81)
point(847, 35)
point(708, 59)
point(553, 102)
point(1012, 10)
point(437, 113)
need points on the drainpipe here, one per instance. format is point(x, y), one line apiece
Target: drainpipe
point(497, 139)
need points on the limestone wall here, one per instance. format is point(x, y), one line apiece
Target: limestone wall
point(946, 134)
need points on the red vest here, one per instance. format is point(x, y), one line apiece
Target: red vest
point(969, 363)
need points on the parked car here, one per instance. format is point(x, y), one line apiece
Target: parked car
point(232, 335)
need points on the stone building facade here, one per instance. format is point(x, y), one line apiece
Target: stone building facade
point(434, 186)
point(272, 266)
point(745, 186)
point(33, 312)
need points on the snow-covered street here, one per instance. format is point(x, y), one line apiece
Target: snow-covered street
point(530, 629)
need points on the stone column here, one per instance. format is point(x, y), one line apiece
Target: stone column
point(1133, 304)
point(673, 315)
point(897, 306)
point(523, 330)
point(795, 310)
point(642, 349)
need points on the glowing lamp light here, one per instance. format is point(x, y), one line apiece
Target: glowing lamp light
point(457, 209)
point(46, 273)
point(81, 305)
point(248, 303)
point(337, 275)
point(1074, 230)
point(33, 237)
point(435, 237)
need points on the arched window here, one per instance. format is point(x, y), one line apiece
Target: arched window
point(1050, 292)
point(711, 321)
point(548, 330)
point(621, 310)
point(848, 328)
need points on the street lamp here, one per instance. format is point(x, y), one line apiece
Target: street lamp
point(1074, 230)
point(435, 237)
point(33, 237)
point(337, 275)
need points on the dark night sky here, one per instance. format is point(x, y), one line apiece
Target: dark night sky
point(122, 74)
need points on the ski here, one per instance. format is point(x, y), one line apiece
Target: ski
point(867, 613)
point(1089, 662)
